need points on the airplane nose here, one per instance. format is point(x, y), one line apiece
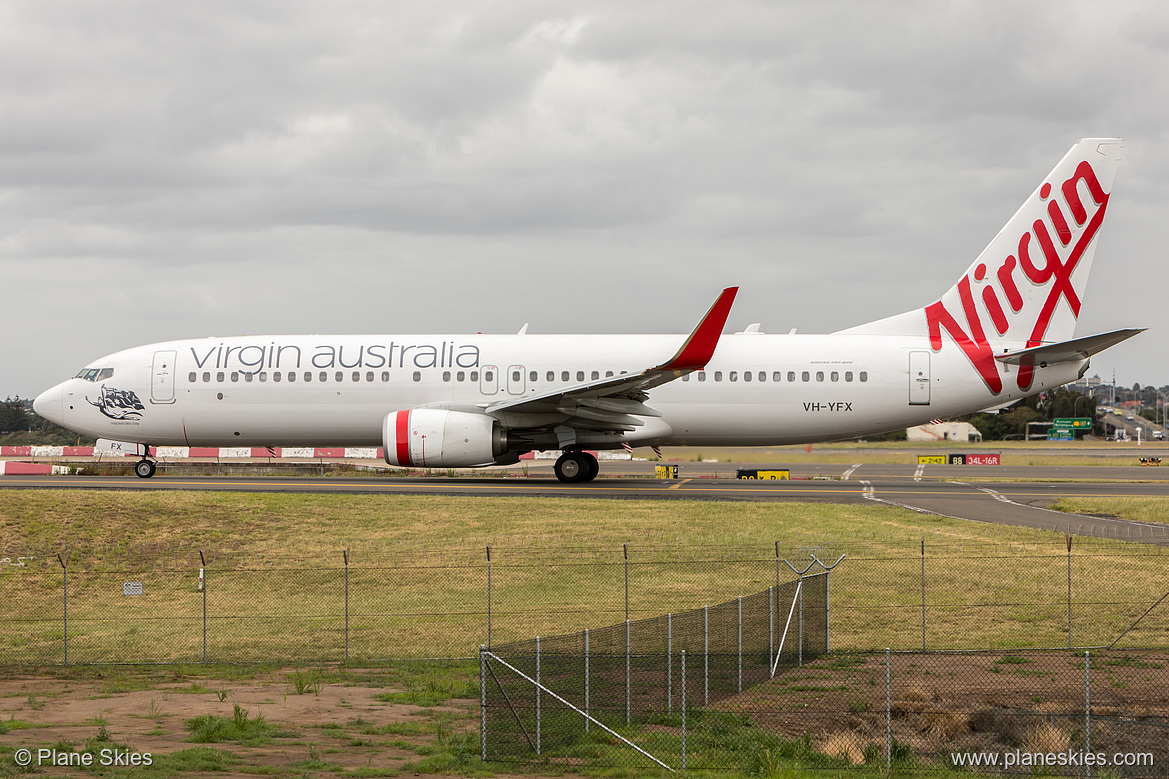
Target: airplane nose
point(48, 405)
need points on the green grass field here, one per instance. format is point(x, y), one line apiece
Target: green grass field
point(275, 578)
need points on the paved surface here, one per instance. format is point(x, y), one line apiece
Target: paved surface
point(978, 493)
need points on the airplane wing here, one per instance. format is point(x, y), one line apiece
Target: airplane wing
point(615, 403)
point(1067, 351)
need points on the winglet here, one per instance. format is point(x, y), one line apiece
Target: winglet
point(699, 347)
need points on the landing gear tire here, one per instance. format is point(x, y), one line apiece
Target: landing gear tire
point(144, 469)
point(576, 467)
point(594, 466)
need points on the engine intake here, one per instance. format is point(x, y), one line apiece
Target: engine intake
point(431, 437)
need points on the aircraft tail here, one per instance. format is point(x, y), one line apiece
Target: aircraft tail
point(1025, 288)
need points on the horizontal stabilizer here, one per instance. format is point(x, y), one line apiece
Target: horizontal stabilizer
point(1068, 351)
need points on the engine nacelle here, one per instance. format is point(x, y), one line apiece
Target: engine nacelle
point(432, 437)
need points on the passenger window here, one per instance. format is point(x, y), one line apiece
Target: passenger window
point(461, 376)
point(235, 375)
point(834, 376)
point(762, 375)
point(734, 376)
point(206, 376)
point(686, 377)
point(746, 375)
point(718, 375)
point(308, 376)
point(804, 376)
point(357, 375)
point(702, 375)
point(446, 375)
point(551, 375)
point(263, 376)
point(474, 376)
point(275, 375)
point(819, 375)
point(848, 375)
point(596, 375)
point(417, 375)
point(564, 376)
point(515, 376)
point(292, 375)
point(369, 375)
point(778, 376)
point(324, 376)
point(386, 376)
point(608, 374)
point(864, 375)
point(248, 376)
point(487, 375)
point(340, 376)
point(580, 375)
point(192, 377)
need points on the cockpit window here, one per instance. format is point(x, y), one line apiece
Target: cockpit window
point(95, 374)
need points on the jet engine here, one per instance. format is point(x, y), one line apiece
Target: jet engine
point(433, 437)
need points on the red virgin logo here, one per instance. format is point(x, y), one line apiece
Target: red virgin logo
point(1038, 263)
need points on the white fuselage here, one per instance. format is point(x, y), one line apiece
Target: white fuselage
point(758, 389)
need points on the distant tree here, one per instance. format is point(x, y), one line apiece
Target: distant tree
point(13, 417)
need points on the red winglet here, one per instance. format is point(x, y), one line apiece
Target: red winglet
point(699, 347)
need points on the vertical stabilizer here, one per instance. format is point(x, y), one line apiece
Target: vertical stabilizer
point(1025, 288)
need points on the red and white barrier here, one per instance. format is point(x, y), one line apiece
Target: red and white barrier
point(30, 469)
point(222, 453)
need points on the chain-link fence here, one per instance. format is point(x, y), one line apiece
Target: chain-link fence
point(364, 601)
point(547, 698)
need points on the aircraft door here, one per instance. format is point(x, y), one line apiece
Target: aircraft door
point(515, 379)
point(919, 378)
point(162, 378)
point(489, 380)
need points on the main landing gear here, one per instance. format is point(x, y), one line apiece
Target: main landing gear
point(576, 466)
point(145, 467)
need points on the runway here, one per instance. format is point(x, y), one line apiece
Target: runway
point(1010, 495)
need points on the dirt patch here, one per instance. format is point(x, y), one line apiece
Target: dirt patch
point(328, 725)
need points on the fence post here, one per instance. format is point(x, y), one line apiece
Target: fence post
point(345, 554)
point(65, 596)
point(1069, 539)
point(705, 655)
point(800, 595)
point(489, 596)
point(586, 680)
point(538, 722)
point(740, 684)
point(626, 672)
point(482, 704)
point(625, 550)
point(669, 664)
point(888, 716)
point(770, 624)
point(1087, 709)
point(683, 710)
point(923, 593)
point(203, 561)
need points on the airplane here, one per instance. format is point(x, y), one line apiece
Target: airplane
point(1002, 332)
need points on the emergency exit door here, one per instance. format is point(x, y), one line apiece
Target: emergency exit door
point(919, 378)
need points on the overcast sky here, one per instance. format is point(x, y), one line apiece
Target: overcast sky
point(173, 170)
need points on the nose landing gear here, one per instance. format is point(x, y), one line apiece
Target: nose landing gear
point(145, 467)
